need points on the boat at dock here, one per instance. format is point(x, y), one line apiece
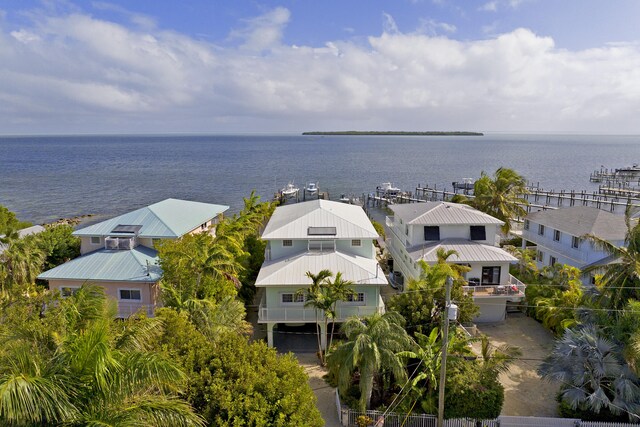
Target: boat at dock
point(311, 188)
point(290, 190)
point(388, 189)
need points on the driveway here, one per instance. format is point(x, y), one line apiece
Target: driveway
point(525, 393)
point(324, 392)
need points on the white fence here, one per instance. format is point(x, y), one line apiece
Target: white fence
point(348, 418)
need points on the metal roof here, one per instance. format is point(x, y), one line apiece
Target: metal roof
point(468, 251)
point(169, 218)
point(440, 213)
point(581, 220)
point(293, 270)
point(294, 221)
point(136, 265)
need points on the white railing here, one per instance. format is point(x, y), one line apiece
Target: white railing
point(127, 309)
point(302, 314)
point(388, 220)
point(514, 287)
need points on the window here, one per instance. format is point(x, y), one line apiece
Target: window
point(406, 230)
point(204, 226)
point(541, 229)
point(431, 232)
point(478, 232)
point(575, 242)
point(287, 243)
point(357, 297)
point(130, 294)
point(95, 240)
point(490, 276)
point(292, 298)
point(526, 224)
point(540, 256)
point(67, 291)
point(356, 242)
point(556, 235)
point(593, 280)
point(322, 245)
point(552, 261)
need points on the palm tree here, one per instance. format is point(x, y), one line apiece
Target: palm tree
point(501, 196)
point(317, 295)
point(593, 374)
point(496, 359)
point(527, 265)
point(78, 367)
point(424, 384)
point(339, 290)
point(620, 280)
point(372, 346)
point(22, 261)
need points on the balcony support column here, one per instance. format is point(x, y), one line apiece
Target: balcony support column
point(270, 334)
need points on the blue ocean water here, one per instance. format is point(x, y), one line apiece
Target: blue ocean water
point(44, 178)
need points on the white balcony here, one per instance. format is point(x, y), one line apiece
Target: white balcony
point(514, 289)
point(300, 314)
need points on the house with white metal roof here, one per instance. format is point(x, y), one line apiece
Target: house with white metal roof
point(557, 236)
point(418, 230)
point(119, 253)
point(310, 237)
point(24, 232)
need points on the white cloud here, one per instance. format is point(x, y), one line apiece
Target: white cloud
point(75, 73)
point(389, 24)
point(491, 6)
point(265, 31)
point(432, 27)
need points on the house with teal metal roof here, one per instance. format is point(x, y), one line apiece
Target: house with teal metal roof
point(119, 253)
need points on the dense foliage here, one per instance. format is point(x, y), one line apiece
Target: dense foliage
point(424, 302)
point(9, 223)
point(71, 364)
point(232, 382)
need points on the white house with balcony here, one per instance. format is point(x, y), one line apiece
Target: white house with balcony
point(310, 237)
point(119, 253)
point(418, 230)
point(557, 236)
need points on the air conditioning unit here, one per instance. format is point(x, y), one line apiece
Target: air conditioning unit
point(110, 243)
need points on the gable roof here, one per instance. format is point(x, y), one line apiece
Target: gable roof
point(293, 270)
point(468, 251)
point(136, 265)
point(169, 218)
point(441, 213)
point(581, 220)
point(294, 221)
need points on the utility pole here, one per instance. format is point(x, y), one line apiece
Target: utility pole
point(445, 342)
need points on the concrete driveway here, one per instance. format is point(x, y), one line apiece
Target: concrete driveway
point(526, 394)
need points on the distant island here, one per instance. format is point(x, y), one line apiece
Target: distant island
point(395, 133)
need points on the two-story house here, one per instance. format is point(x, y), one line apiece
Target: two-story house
point(557, 236)
point(119, 253)
point(310, 237)
point(418, 230)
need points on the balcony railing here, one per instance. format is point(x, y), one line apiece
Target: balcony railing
point(302, 314)
point(127, 309)
point(513, 288)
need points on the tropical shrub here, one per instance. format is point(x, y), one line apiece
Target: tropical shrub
point(232, 382)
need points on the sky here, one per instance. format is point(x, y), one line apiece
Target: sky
point(217, 66)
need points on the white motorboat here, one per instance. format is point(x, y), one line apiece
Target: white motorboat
point(290, 190)
point(311, 188)
point(344, 198)
point(388, 189)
